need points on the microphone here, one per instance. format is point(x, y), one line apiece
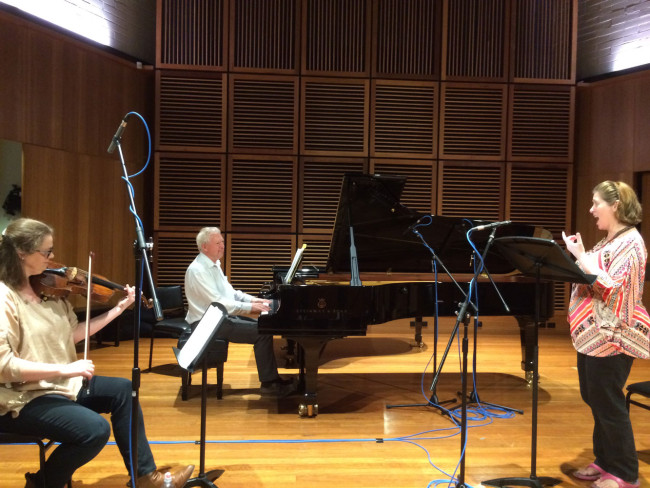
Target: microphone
point(492, 225)
point(413, 226)
point(118, 135)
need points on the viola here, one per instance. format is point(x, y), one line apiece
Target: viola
point(59, 281)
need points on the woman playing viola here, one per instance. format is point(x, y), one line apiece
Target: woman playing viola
point(41, 378)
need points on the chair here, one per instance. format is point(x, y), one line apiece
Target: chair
point(173, 322)
point(43, 447)
point(217, 356)
point(641, 388)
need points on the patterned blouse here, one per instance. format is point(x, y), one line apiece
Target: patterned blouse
point(608, 318)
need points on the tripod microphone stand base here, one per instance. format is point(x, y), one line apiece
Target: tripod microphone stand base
point(473, 398)
point(433, 403)
point(205, 480)
point(535, 482)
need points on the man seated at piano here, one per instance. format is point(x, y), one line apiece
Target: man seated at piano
point(206, 283)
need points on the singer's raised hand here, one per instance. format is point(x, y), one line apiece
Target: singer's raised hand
point(574, 244)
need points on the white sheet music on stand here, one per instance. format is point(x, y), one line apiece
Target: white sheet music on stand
point(297, 259)
point(201, 336)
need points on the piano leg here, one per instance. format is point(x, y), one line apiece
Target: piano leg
point(528, 334)
point(312, 348)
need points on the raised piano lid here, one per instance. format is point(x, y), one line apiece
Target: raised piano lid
point(385, 243)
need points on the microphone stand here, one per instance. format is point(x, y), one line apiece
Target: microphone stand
point(433, 399)
point(142, 261)
point(463, 316)
point(473, 396)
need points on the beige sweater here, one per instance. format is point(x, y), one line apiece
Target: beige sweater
point(39, 332)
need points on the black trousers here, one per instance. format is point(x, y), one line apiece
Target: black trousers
point(80, 428)
point(602, 380)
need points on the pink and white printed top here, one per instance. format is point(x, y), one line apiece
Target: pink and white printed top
point(608, 317)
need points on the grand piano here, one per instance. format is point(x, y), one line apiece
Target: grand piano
point(373, 238)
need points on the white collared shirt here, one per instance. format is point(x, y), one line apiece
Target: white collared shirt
point(205, 283)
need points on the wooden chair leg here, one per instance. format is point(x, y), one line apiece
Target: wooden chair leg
point(186, 381)
point(219, 381)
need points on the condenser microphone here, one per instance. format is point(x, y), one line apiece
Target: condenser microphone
point(492, 225)
point(118, 135)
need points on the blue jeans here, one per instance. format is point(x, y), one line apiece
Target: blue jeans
point(80, 429)
point(601, 385)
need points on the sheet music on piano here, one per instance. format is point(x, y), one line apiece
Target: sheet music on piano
point(295, 264)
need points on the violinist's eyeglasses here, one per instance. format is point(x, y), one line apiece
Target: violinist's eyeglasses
point(46, 253)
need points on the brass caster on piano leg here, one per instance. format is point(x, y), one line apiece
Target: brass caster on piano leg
point(307, 410)
point(529, 378)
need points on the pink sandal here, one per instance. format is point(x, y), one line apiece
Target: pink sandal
point(590, 477)
point(617, 480)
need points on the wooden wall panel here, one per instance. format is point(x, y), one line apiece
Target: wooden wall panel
point(476, 40)
point(334, 116)
point(541, 123)
point(190, 191)
point(263, 114)
point(262, 193)
point(612, 141)
point(63, 99)
point(192, 33)
point(542, 32)
point(473, 121)
point(191, 111)
point(471, 189)
point(336, 34)
point(264, 35)
point(406, 39)
point(405, 119)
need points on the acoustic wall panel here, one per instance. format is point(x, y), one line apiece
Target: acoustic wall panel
point(473, 121)
point(476, 40)
point(190, 111)
point(404, 120)
point(336, 37)
point(262, 193)
point(334, 115)
point(544, 40)
point(192, 33)
point(190, 191)
point(541, 123)
point(406, 39)
point(264, 114)
point(471, 189)
point(263, 35)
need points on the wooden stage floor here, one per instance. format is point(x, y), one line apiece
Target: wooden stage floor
point(355, 441)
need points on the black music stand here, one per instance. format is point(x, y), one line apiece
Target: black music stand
point(541, 259)
point(196, 352)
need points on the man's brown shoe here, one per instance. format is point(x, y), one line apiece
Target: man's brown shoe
point(156, 478)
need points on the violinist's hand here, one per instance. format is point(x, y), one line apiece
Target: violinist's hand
point(82, 367)
point(574, 244)
point(125, 302)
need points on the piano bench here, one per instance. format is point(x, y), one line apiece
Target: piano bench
point(217, 356)
point(641, 388)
